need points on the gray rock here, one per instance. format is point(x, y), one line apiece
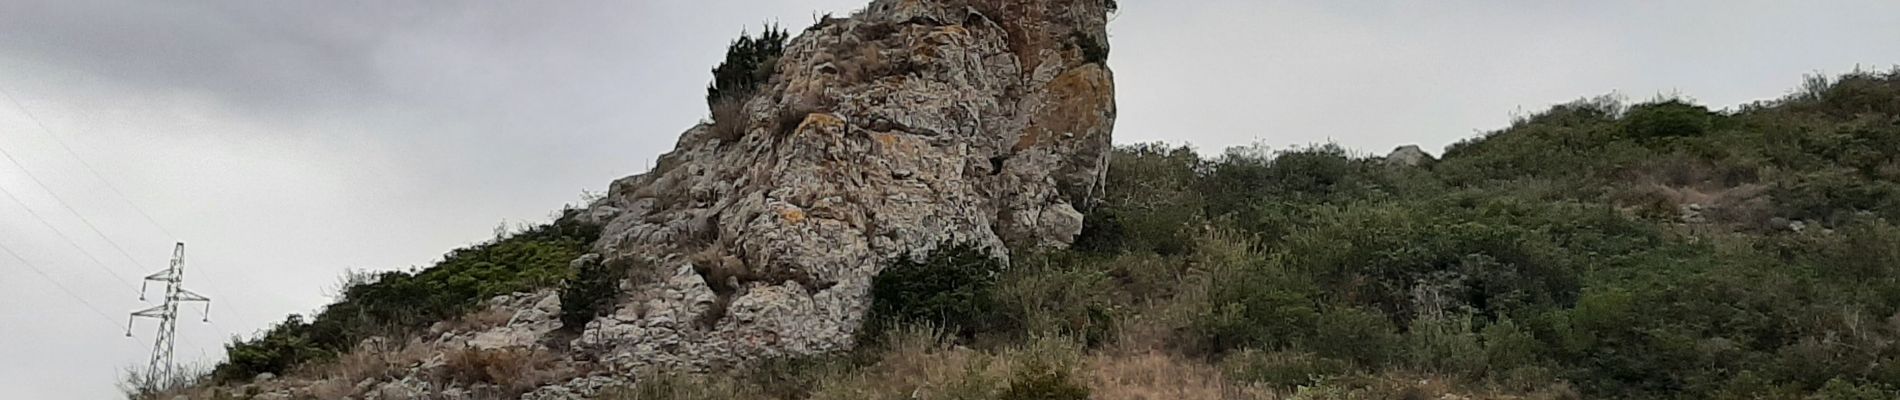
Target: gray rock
point(861, 151)
point(1408, 156)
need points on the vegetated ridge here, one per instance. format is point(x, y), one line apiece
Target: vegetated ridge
point(1597, 249)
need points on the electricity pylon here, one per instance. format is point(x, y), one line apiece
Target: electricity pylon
point(159, 372)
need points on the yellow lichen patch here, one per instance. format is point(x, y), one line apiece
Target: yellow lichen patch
point(791, 215)
point(886, 140)
point(1079, 100)
point(821, 121)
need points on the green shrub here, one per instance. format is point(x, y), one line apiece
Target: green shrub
point(1347, 333)
point(1150, 204)
point(1668, 118)
point(1839, 389)
point(284, 347)
point(1445, 345)
point(1250, 302)
point(593, 291)
point(1055, 294)
point(951, 289)
point(750, 62)
point(1508, 346)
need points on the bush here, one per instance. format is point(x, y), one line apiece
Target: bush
point(952, 289)
point(1668, 118)
point(1508, 346)
point(1055, 294)
point(750, 62)
point(1445, 345)
point(1364, 337)
point(1250, 302)
point(593, 291)
point(1151, 203)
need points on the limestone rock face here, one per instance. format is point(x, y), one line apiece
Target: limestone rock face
point(911, 125)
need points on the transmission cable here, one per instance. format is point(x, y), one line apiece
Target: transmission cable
point(69, 240)
point(89, 168)
point(95, 173)
point(62, 287)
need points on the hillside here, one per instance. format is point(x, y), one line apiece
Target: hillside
point(1597, 249)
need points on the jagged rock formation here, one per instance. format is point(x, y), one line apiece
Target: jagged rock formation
point(911, 125)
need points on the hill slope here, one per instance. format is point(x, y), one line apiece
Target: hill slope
point(1657, 250)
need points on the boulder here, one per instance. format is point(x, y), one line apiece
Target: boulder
point(1408, 156)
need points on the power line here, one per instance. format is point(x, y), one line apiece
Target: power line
point(95, 173)
point(89, 168)
point(62, 236)
point(69, 208)
point(69, 292)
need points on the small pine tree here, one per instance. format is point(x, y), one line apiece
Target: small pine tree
point(750, 62)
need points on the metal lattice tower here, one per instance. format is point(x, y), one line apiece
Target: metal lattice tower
point(160, 369)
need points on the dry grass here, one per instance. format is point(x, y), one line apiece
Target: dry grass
point(1161, 376)
point(921, 364)
point(683, 387)
point(513, 371)
point(729, 119)
point(483, 319)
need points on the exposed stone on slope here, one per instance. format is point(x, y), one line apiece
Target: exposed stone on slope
point(908, 126)
point(1408, 156)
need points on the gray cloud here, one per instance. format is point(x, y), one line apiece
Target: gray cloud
point(288, 141)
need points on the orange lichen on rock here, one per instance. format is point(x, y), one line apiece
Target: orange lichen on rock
point(1081, 100)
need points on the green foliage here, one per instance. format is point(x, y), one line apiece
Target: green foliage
point(399, 301)
point(1151, 203)
point(1353, 334)
point(1553, 250)
point(1250, 302)
point(282, 348)
point(750, 62)
point(592, 292)
point(1054, 295)
point(1444, 344)
point(1668, 118)
point(952, 289)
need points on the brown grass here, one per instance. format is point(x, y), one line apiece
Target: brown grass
point(729, 119)
point(1159, 376)
point(514, 371)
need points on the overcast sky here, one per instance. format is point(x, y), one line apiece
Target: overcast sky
point(289, 141)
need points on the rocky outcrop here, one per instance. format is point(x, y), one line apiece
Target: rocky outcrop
point(912, 125)
point(1408, 156)
point(909, 126)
